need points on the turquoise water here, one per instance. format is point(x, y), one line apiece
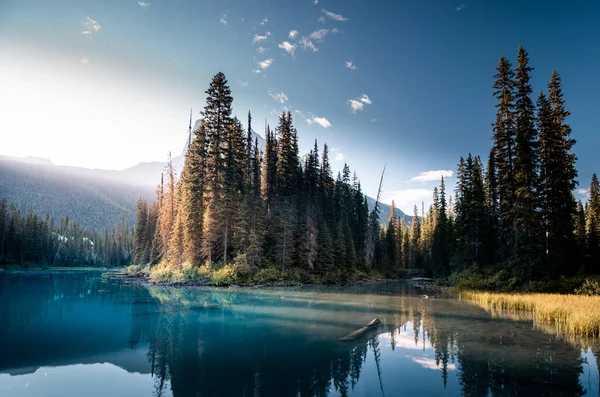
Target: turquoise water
point(75, 334)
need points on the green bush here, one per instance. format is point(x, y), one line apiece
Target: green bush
point(589, 287)
point(137, 269)
point(161, 273)
point(227, 275)
point(268, 275)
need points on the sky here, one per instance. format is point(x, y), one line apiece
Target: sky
point(401, 84)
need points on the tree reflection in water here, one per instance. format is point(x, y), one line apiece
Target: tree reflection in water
point(201, 356)
point(219, 342)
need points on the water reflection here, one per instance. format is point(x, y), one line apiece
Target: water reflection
point(68, 332)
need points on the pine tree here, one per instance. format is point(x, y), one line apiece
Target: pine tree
point(415, 240)
point(218, 123)
point(557, 179)
point(441, 259)
point(140, 256)
point(593, 213)
point(157, 249)
point(269, 172)
point(580, 230)
point(391, 240)
point(527, 225)
point(168, 208)
point(176, 242)
point(493, 209)
point(479, 213)
point(504, 149)
point(593, 227)
point(193, 183)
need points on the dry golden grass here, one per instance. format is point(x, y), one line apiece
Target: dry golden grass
point(565, 314)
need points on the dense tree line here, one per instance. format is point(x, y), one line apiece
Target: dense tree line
point(28, 239)
point(517, 213)
point(236, 202)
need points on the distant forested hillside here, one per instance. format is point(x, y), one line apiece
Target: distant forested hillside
point(95, 200)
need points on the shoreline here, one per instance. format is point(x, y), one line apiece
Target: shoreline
point(145, 280)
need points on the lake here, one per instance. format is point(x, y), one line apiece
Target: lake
point(77, 334)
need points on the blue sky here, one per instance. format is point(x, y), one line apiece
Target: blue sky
point(107, 84)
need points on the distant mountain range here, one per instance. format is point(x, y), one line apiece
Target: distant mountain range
point(96, 198)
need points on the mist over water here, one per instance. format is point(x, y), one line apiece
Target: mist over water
point(77, 334)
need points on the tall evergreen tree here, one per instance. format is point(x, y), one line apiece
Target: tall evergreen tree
point(593, 213)
point(527, 224)
point(193, 180)
point(557, 179)
point(140, 255)
point(218, 123)
point(168, 208)
point(504, 149)
point(441, 259)
point(493, 208)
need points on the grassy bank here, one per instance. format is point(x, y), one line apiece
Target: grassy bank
point(562, 314)
point(243, 275)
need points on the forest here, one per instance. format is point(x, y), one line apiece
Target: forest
point(29, 240)
point(515, 217)
point(239, 210)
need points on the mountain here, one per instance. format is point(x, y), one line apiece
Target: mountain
point(92, 197)
point(384, 213)
point(96, 198)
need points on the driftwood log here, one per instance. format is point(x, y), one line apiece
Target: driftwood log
point(361, 331)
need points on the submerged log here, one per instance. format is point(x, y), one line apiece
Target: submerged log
point(361, 331)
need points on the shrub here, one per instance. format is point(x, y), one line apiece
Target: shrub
point(226, 275)
point(161, 273)
point(137, 269)
point(589, 287)
point(268, 275)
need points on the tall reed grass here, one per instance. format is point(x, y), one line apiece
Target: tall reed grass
point(565, 314)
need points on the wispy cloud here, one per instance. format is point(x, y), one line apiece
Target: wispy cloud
point(223, 20)
point(582, 192)
point(322, 121)
point(293, 34)
point(265, 64)
point(374, 120)
point(315, 2)
point(278, 96)
point(431, 176)
point(262, 50)
point(143, 4)
point(91, 26)
point(265, 20)
point(84, 60)
point(430, 363)
point(243, 83)
point(357, 105)
point(339, 156)
point(335, 17)
point(322, 19)
point(307, 44)
point(335, 30)
point(258, 38)
point(460, 7)
point(319, 34)
point(257, 71)
point(350, 65)
point(287, 47)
